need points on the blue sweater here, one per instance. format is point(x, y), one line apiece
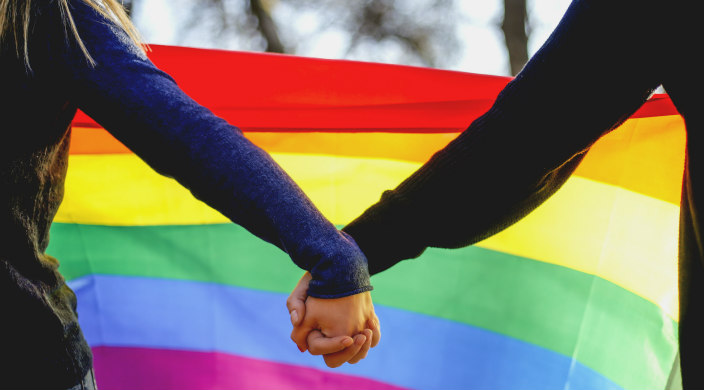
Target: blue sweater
point(40, 340)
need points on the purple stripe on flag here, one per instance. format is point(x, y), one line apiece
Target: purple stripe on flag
point(147, 368)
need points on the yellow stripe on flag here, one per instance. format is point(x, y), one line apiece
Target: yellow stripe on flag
point(623, 236)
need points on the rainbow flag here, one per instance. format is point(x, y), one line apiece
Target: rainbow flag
point(581, 294)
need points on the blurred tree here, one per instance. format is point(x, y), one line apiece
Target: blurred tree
point(420, 32)
point(266, 26)
point(128, 6)
point(514, 27)
point(248, 20)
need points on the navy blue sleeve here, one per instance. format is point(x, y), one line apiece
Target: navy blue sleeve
point(145, 109)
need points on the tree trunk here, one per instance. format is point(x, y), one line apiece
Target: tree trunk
point(514, 28)
point(266, 27)
point(127, 4)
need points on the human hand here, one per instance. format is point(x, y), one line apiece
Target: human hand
point(324, 326)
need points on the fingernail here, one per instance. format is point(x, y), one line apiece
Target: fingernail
point(294, 317)
point(347, 342)
point(301, 349)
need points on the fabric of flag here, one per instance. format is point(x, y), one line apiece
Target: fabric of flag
point(581, 294)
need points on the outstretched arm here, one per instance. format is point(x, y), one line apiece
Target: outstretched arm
point(145, 109)
point(593, 72)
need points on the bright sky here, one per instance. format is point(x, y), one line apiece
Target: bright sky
point(482, 44)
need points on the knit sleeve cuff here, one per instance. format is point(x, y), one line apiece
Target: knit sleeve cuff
point(385, 234)
point(341, 273)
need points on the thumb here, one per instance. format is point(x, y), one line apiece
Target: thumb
point(321, 345)
point(296, 302)
point(297, 310)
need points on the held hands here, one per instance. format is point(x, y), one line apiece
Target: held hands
point(340, 329)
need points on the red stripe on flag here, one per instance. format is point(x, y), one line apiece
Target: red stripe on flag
point(312, 94)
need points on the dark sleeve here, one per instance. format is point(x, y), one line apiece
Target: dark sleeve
point(145, 109)
point(594, 71)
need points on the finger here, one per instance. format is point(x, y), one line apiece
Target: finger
point(299, 293)
point(375, 327)
point(318, 344)
point(297, 311)
point(338, 358)
point(299, 334)
point(297, 299)
point(365, 348)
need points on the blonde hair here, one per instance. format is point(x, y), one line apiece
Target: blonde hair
point(15, 22)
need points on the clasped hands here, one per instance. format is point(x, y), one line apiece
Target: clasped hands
point(340, 329)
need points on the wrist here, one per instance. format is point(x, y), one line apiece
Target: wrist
point(384, 234)
point(342, 273)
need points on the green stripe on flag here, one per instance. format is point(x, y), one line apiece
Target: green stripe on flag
point(603, 326)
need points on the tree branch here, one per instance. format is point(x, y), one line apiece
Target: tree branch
point(267, 27)
point(514, 28)
point(127, 4)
